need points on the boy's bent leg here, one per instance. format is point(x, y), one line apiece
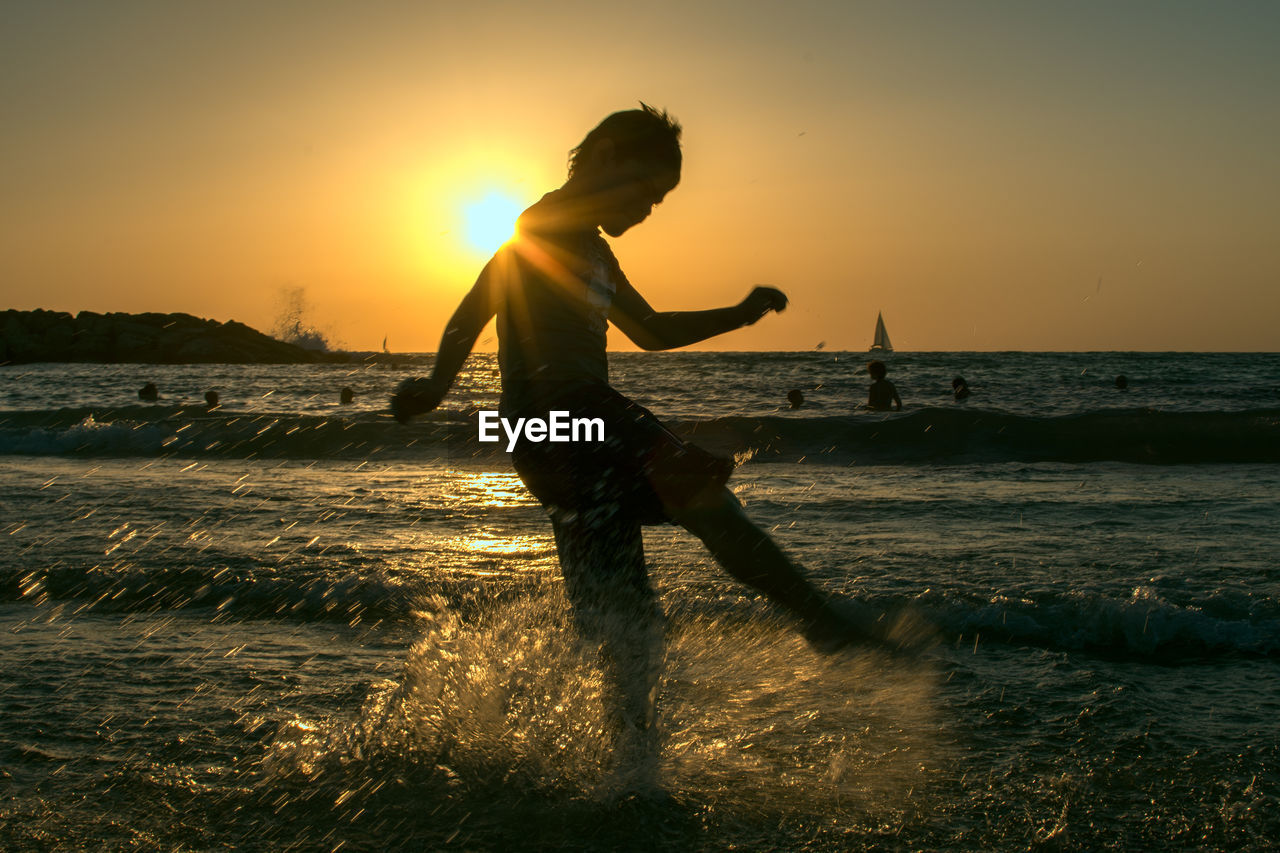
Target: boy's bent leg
point(747, 553)
point(601, 554)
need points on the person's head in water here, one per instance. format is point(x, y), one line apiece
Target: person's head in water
point(211, 399)
point(795, 398)
point(148, 392)
point(877, 369)
point(625, 165)
point(346, 395)
point(1122, 382)
point(960, 388)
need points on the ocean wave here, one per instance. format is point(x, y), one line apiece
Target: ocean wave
point(928, 436)
point(196, 432)
point(1142, 625)
point(948, 435)
point(241, 592)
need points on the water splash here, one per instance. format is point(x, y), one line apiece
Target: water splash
point(293, 323)
point(500, 704)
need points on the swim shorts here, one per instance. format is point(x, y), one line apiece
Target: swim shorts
point(641, 467)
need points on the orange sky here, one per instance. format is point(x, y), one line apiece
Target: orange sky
point(1092, 175)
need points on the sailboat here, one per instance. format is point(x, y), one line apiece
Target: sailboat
point(881, 341)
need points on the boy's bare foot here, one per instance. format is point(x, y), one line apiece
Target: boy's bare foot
point(844, 623)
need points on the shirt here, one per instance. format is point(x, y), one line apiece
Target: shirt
point(555, 288)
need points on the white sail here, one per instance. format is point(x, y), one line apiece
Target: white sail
point(881, 341)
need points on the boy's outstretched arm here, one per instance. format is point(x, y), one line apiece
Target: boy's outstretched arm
point(418, 396)
point(659, 330)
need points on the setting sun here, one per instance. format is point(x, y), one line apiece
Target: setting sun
point(490, 222)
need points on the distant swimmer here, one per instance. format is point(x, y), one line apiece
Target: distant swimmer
point(211, 400)
point(1122, 383)
point(149, 393)
point(960, 388)
point(881, 396)
point(795, 398)
point(346, 395)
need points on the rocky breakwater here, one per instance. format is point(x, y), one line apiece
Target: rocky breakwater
point(30, 336)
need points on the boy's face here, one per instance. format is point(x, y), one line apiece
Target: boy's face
point(628, 192)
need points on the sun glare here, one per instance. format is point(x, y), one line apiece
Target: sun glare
point(490, 221)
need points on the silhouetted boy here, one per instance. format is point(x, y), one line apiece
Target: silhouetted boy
point(554, 289)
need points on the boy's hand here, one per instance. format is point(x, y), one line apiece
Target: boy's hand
point(416, 397)
point(761, 301)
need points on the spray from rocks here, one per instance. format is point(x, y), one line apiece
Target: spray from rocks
point(293, 324)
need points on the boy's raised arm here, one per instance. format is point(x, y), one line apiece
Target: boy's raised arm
point(421, 395)
point(660, 330)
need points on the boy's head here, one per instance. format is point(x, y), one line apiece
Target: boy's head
point(876, 369)
point(647, 135)
point(627, 164)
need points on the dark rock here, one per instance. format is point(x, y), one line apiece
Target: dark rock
point(150, 338)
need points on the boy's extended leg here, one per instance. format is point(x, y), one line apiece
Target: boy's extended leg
point(746, 552)
point(614, 606)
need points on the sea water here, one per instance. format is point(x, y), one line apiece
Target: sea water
point(286, 623)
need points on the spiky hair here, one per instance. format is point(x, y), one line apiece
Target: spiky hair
point(647, 134)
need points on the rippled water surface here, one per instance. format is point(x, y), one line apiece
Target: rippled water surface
point(292, 625)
